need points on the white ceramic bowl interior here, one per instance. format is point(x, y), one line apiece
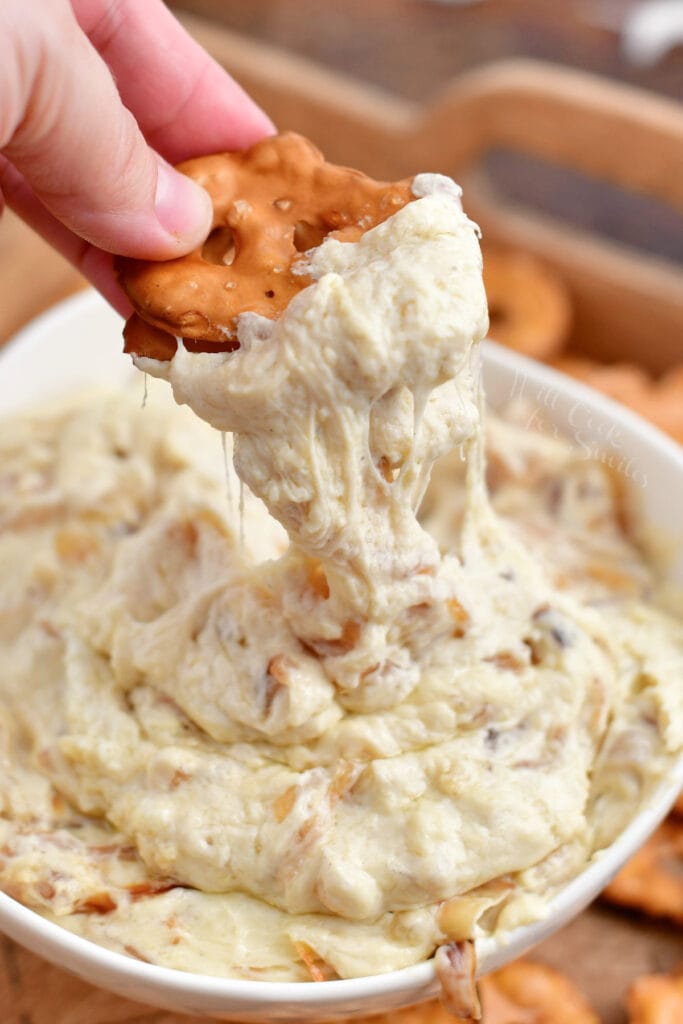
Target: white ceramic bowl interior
point(79, 343)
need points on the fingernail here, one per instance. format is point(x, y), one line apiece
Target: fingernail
point(182, 206)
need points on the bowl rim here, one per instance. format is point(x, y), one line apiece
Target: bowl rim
point(577, 894)
point(77, 953)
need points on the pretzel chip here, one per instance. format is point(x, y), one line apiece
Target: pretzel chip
point(529, 993)
point(520, 993)
point(652, 881)
point(529, 307)
point(660, 401)
point(656, 999)
point(141, 339)
point(271, 204)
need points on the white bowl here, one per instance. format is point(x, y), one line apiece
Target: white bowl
point(79, 343)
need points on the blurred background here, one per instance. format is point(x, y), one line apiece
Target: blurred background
point(414, 48)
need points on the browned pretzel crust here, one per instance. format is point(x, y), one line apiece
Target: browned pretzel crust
point(271, 203)
point(141, 339)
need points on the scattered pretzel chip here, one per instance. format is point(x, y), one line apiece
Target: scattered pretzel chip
point(529, 307)
point(521, 993)
point(665, 407)
point(660, 401)
point(528, 993)
point(656, 999)
point(620, 380)
point(652, 881)
point(271, 204)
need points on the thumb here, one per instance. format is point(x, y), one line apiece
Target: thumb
point(67, 131)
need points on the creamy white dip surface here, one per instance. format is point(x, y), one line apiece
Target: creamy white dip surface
point(399, 711)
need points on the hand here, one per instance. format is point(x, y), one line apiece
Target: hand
point(85, 164)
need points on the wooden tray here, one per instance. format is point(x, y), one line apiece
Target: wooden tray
point(627, 306)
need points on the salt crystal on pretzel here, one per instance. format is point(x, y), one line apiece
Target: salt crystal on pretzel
point(271, 204)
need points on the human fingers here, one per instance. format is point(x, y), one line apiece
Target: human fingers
point(93, 263)
point(185, 103)
point(64, 127)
